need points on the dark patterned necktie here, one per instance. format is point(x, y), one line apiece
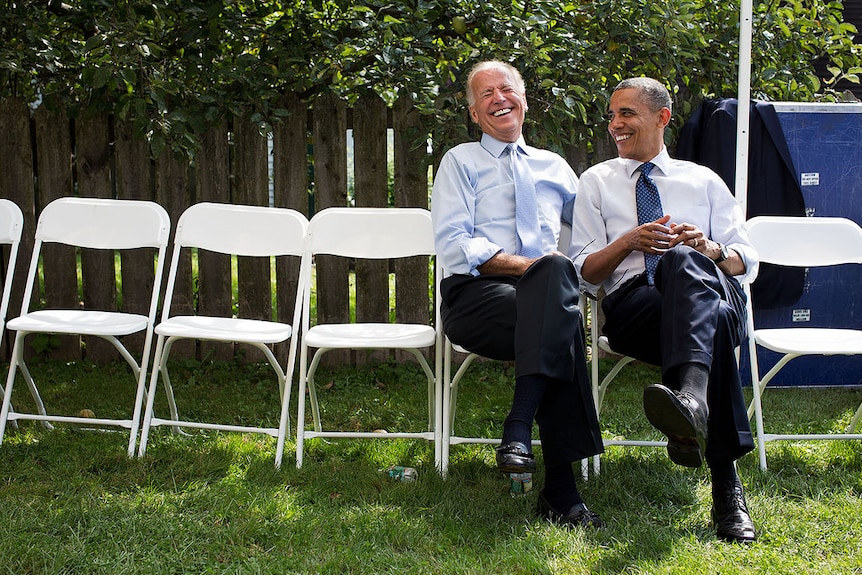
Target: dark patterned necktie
point(526, 209)
point(649, 210)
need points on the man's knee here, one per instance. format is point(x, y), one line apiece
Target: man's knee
point(680, 257)
point(556, 267)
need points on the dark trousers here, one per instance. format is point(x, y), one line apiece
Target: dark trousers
point(534, 320)
point(694, 313)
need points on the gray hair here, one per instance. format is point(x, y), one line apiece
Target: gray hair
point(510, 71)
point(654, 92)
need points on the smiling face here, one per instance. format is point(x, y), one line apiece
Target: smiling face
point(637, 130)
point(497, 105)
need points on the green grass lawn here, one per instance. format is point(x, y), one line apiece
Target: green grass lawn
point(72, 502)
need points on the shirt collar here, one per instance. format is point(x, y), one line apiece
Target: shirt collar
point(496, 148)
point(661, 161)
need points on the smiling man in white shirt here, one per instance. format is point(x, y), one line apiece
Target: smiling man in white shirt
point(667, 241)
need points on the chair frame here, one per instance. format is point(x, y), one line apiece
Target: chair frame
point(812, 242)
point(11, 229)
point(449, 404)
point(265, 232)
point(600, 343)
point(450, 382)
point(376, 242)
point(151, 225)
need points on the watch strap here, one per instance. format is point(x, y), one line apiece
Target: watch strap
point(722, 253)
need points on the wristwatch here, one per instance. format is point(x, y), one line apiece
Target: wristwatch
point(722, 253)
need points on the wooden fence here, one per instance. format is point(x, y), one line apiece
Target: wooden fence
point(44, 154)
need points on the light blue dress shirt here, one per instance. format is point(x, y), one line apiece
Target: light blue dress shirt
point(473, 202)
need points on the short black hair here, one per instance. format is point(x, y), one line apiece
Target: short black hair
point(654, 92)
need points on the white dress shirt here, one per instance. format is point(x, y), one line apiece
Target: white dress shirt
point(605, 209)
point(473, 202)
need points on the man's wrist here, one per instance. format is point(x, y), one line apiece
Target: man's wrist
point(723, 254)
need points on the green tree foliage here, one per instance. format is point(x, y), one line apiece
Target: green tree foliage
point(173, 67)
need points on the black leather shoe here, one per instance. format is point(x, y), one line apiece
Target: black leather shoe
point(577, 516)
point(515, 457)
point(682, 419)
point(730, 513)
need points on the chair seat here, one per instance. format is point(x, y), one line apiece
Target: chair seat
point(75, 321)
point(224, 329)
point(370, 335)
point(811, 340)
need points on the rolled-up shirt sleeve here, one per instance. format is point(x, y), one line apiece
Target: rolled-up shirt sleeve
point(728, 227)
point(453, 206)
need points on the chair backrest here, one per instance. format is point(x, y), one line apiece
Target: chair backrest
point(11, 222)
point(11, 226)
point(104, 223)
point(806, 241)
point(237, 230)
point(242, 230)
point(374, 233)
point(101, 223)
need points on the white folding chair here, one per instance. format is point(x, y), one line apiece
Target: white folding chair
point(802, 242)
point(600, 343)
point(449, 403)
point(99, 224)
point(250, 231)
point(368, 233)
point(11, 226)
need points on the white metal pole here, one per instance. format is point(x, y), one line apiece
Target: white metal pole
point(743, 99)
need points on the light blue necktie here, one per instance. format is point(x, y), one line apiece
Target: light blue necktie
point(649, 210)
point(526, 209)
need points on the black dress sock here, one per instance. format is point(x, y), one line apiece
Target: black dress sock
point(561, 489)
point(722, 473)
point(529, 390)
point(693, 379)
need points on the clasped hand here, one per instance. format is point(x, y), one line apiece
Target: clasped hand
point(659, 236)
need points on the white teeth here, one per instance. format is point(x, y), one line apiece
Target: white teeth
point(499, 113)
point(623, 137)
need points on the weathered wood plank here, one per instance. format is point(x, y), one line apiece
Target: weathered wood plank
point(54, 174)
point(371, 189)
point(290, 185)
point(412, 303)
point(251, 187)
point(173, 192)
point(98, 273)
point(134, 179)
point(16, 184)
point(330, 184)
point(411, 190)
point(212, 184)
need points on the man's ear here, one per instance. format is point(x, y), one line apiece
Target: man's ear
point(473, 115)
point(664, 115)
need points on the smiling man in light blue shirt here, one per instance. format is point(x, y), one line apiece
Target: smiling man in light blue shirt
point(513, 299)
point(477, 198)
